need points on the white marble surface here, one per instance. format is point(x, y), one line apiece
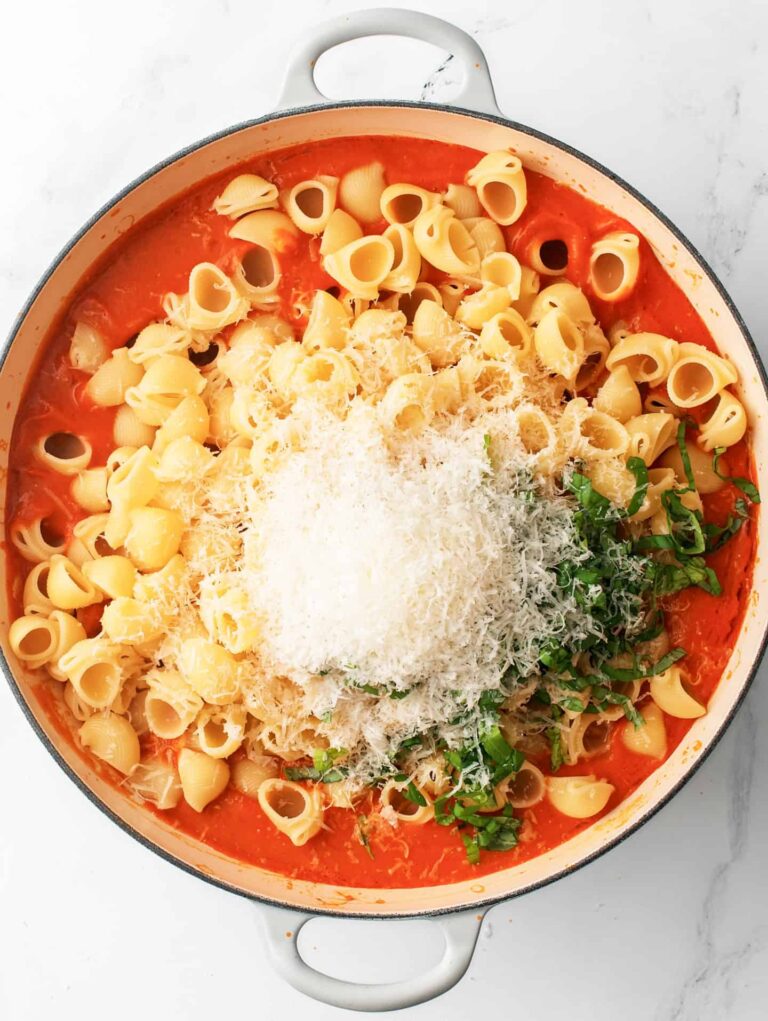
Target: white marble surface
point(671, 925)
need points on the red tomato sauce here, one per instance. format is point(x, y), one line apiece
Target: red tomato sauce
point(124, 293)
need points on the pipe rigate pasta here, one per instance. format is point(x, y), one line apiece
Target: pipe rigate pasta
point(499, 180)
point(310, 203)
point(363, 265)
point(445, 242)
point(292, 809)
point(651, 737)
point(648, 356)
point(727, 423)
point(697, 376)
point(245, 193)
point(402, 203)
point(113, 739)
point(203, 779)
point(361, 190)
point(579, 797)
point(614, 265)
point(669, 692)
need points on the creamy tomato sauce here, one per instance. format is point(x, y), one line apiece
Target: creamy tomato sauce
point(124, 293)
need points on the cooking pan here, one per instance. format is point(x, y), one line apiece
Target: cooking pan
point(303, 116)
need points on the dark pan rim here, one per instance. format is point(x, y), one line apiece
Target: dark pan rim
point(644, 816)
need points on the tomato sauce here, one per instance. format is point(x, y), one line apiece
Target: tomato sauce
point(125, 292)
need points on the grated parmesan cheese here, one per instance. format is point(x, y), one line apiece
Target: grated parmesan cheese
point(427, 568)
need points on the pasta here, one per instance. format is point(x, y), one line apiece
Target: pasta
point(499, 180)
point(445, 242)
point(614, 265)
point(310, 203)
point(361, 191)
point(371, 538)
point(403, 203)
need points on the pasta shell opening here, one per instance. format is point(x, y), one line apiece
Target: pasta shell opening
point(259, 269)
point(550, 257)
point(287, 802)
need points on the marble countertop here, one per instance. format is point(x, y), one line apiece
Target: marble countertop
point(670, 926)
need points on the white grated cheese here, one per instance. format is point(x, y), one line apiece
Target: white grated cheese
point(426, 569)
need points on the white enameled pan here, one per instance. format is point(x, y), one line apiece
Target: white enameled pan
point(304, 116)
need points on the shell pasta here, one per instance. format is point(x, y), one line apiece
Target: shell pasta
point(356, 547)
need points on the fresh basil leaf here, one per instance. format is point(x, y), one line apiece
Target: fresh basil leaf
point(639, 469)
point(749, 489)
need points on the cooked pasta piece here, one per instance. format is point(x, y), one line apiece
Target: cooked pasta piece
point(361, 190)
point(341, 230)
point(437, 334)
point(445, 242)
point(727, 424)
point(405, 270)
point(563, 296)
point(165, 384)
point(245, 194)
point(559, 344)
point(486, 234)
point(502, 269)
point(579, 797)
point(328, 324)
point(111, 738)
point(697, 376)
point(129, 621)
point(203, 779)
point(268, 229)
point(705, 478)
point(248, 775)
point(648, 356)
point(64, 453)
point(210, 670)
point(397, 808)
point(220, 730)
point(525, 788)
point(155, 340)
point(669, 692)
point(292, 809)
point(506, 334)
point(68, 587)
point(660, 480)
point(651, 737)
point(480, 306)
point(619, 396)
point(171, 704)
point(156, 780)
point(499, 180)
point(310, 203)
point(112, 575)
point(154, 536)
point(33, 639)
point(363, 265)
point(463, 201)
point(35, 593)
point(130, 431)
point(614, 265)
point(408, 404)
point(650, 435)
point(108, 386)
point(257, 276)
point(93, 667)
point(87, 350)
point(89, 490)
point(37, 540)
point(402, 203)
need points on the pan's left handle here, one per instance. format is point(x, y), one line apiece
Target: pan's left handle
point(299, 88)
point(459, 930)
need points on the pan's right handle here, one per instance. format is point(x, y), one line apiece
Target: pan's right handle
point(299, 88)
point(459, 931)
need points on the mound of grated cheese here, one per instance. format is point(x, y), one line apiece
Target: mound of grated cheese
point(426, 568)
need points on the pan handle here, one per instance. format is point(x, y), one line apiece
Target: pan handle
point(282, 927)
point(299, 88)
